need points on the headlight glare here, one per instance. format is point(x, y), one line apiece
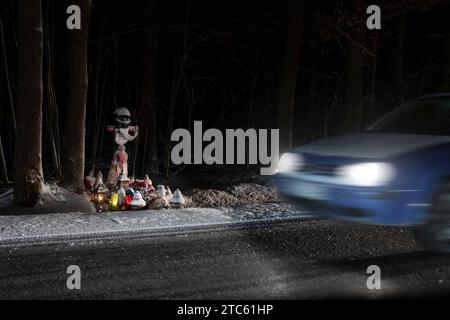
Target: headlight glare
point(290, 162)
point(370, 174)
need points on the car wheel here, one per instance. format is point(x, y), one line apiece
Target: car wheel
point(435, 234)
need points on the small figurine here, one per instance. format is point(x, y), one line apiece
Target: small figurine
point(161, 200)
point(177, 200)
point(160, 191)
point(137, 202)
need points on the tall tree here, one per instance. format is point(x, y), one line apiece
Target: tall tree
point(28, 177)
point(354, 90)
point(286, 94)
point(74, 134)
point(147, 122)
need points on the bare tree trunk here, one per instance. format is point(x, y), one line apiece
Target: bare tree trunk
point(148, 95)
point(28, 176)
point(286, 95)
point(4, 177)
point(354, 91)
point(74, 134)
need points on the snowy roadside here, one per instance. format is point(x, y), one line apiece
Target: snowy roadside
point(44, 228)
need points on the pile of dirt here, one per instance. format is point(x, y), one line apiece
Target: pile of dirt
point(239, 194)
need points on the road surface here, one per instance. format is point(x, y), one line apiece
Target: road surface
point(301, 259)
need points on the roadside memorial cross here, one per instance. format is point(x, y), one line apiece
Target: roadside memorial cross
point(123, 133)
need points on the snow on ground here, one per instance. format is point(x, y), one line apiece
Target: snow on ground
point(21, 228)
point(55, 199)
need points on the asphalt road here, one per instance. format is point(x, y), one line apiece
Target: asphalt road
point(305, 259)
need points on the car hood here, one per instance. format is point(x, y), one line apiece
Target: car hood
point(371, 145)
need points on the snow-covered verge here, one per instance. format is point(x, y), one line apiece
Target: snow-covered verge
point(59, 200)
point(55, 199)
point(62, 215)
point(44, 228)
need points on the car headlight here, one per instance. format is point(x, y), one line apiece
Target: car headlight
point(290, 162)
point(370, 174)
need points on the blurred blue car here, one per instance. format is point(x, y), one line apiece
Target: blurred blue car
point(397, 172)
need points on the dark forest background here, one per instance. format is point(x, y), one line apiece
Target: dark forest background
point(232, 64)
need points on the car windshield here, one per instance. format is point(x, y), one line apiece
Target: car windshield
point(430, 117)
